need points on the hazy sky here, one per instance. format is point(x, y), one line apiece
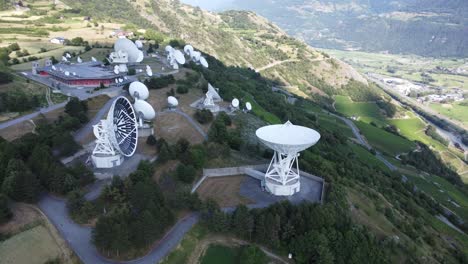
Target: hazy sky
point(212, 5)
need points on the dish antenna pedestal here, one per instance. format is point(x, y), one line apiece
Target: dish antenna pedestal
point(282, 177)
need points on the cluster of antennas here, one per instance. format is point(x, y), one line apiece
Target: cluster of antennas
point(78, 59)
point(144, 111)
point(175, 57)
point(211, 98)
point(235, 105)
point(125, 51)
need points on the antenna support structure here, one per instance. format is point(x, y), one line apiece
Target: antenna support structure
point(282, 176)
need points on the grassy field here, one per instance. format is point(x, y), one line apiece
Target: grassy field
point(183, 251)
point(35, 245)
point(384, 141)
point(455, 111)
point(260, 112)
point(367, 157)
point(365, 111)
point(216, 254)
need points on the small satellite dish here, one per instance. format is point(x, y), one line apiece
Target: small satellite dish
point(125, 77)
point(64, 58)
point(172, 101)
point(188, 49)
point(67, 73)
point(139, 44)
point(248, 106)
point(235, 103)
point(144, 109)
point(140, 70)
point(74, 73)
point(68, 55)
point(179, 57)
point(120, 80)
point(138, 90)
point(116, 80)
point(203, 62)
point(93, 59)
point(54, 68)
point(149, 72)
point(196, 55)
point(175, 66)
point(79, 60)
point(116, 69)
point(169, 49)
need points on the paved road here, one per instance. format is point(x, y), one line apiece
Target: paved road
point(31, 116)
point(79, 237)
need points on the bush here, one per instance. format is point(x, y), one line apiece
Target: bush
point(151, 140)
point(159, 82)
point(182, 89)
point(203, 116)
point(185, 173)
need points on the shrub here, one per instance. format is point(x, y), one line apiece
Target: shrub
point(203, 116)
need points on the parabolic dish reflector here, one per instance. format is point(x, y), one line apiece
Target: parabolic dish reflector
point(144, 109)
point(196, 55)
point(172, 101)
point(188, 49)
point(235, 102)
point(123, 126)
point(126, 45)
point(179, 57)
point(169, 48)
point(287, 138)
point(139, 44)
point(248, 106)
point(138, 90)
point(203, 62)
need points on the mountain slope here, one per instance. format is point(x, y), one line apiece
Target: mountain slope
point(424, 27)
point(238, 38)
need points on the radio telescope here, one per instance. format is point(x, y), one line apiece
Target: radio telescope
point(287, 140)
point(149, 71)
point(196, 55)
point(179, 57)
point(68, 55)
point(145, 112)
point(203, 62)
point(116, 69)
point(139, 44)
point(93, 59)
point(188, 49)
point(172, 102)
point(235, 103)
point(138, 90)
point(79, 60)
point(116, 136)
point(248, 106)
point(64, 58)
point(125, 51)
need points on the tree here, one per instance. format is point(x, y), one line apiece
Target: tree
point(151, 140)
point(5, 212)
point(204, 116)
point(157, 37)
point(252, 255)
point(20, 184)
point(185, 173)
point(78, 109)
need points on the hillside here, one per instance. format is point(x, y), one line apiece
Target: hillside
point(428, 27)
point(237, 38)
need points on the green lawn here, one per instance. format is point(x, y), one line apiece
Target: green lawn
point(365, 111)
point(384, 141)
point(216, 254)
point(367, 157)
point(260, 112)
point(453, 111)
point(181, 254)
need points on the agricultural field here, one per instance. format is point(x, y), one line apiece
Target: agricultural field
point(363, 111)
point(221, 254)
point(457, 111)
point(404, 66)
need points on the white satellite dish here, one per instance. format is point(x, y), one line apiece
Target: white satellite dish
point(79, 60)
point(93, 59)
point(196, 55)
point(116, 80)
point(120, 80)
point(144, 110)
point(116, 70)
point(235, 103)
point(188, 49)
point(140, 70)
point(169, 49)
point(149, 72)
point(175, 66)
point(64, 58)
point(248, 106)
point(203, 62)
point(74, 73)
point(125, 77)
point(115, 136)
point(54, 68)
point(139, 44)
point(127, 46)
point(286, 140)
point(179, 56)
point(138, 90)
point(67, 73)
point(68, 55)
point(172, 101)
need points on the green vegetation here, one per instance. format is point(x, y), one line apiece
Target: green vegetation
point(384, 141)
point(456, 110)
point(220, 254)
point(365, 111)
point(181, 254)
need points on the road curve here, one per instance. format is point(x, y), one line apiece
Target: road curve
point(79, 238)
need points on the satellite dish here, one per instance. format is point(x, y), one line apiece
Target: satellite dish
point(172, 101)
point(116, 80)
point(248, 106)
point(123, 132)
point(175, 66)
point(74, 73)
point(235, 103)
point(179, 57)
point(127, 46)
point(64, 58)
point(139, 44)
point(79, 60)
point(138, 90)
point(68, 55)
point(196, 55)
point(54, 68)
point(67, 73)
point(169, 49)
point(149, 72)
point(120, 80)
point(116, 69)
point(188, 49)
point(286, 140)
point(141, 56)
point(93, 59)
point(125, 77)
point(203, 62)
point(144, 109)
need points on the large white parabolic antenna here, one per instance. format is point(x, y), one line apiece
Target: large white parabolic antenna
point(235, 103)
point(188, 49)
point(196, 55)
point(169, 48)
point(138, 90)
point(179, 56)
point(126, 45)
point(287, 140)
point(116, 136)
point(139, 44)
point(144, 109)
point(203, 62)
